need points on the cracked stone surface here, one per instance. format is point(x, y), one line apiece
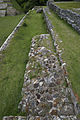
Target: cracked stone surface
point(44, 94)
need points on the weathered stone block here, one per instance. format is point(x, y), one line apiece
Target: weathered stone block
point(2, 13)
point(3, 6)
point(11, 11)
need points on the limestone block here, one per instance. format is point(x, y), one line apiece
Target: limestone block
point(1, 1)
point(3, 6)
point(2, 13)
point(11, 11)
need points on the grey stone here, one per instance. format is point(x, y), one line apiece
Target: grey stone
point(3, 6)
point(67, 109)
point(39, 10)
point(11, 11)
point(2, 13)
point(36, 85)
point(68, 15)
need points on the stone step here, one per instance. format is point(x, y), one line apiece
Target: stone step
point(2, 13)
point(1, 1)
point(11, 11)
point(3, 5)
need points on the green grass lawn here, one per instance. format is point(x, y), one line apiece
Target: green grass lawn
point(71, 44)
point(7, 24)
point(13, 61)
point(68, 5)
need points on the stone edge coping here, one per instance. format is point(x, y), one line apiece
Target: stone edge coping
point(7, 41)
point(63, 65)
point(14, 118)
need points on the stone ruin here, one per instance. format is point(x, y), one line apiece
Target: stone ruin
point(44, 95)
point(69, 16)
point(6, 8)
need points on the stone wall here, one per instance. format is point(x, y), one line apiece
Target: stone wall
point(11, 11)
point(71, 17)
point(36, 92)
point(3, 6)
point(56, 46)
point(2, 13)
point(6, 8)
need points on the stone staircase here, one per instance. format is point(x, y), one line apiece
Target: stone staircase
point(6, 8)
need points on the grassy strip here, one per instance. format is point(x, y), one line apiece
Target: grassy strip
point(13, 61)
point(7, 24)
point(71, 44)
point(68, 5)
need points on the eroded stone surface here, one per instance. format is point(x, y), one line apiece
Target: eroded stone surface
point(44, 95)
point(2, 13)
point(3, 6)
point(12, 11)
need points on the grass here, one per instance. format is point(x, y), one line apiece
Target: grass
point(71, 45)
point(7, 24)
point(13, 61)
point(68, 5)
